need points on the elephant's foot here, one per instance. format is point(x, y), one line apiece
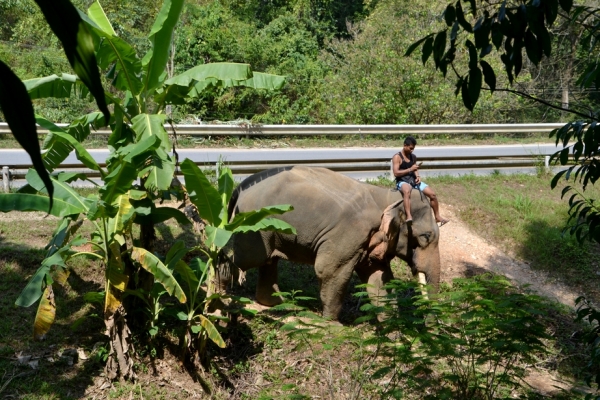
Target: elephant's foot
point(332, 311)
point(265, 296)
point(267, 284)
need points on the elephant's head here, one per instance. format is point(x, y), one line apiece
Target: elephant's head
point(417, 243)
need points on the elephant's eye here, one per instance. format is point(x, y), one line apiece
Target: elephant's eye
point(426, 236)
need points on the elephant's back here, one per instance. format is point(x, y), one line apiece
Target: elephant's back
point(321, 199)
point(328, 207)
point(298, 186)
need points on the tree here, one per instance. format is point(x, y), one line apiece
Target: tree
point(517, 32)
point(514, 32)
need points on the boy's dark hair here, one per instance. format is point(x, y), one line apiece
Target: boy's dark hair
point(410, 140)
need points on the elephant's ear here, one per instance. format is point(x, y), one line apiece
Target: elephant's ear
point(387, 233)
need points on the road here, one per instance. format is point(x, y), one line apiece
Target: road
point(360, 163)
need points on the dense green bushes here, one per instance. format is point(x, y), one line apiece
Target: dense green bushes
point(344, 61)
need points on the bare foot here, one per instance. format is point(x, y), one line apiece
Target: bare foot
point(442, 221)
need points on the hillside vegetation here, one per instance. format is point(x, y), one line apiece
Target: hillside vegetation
point(344, 61)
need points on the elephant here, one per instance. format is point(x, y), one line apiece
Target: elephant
point(343, 225)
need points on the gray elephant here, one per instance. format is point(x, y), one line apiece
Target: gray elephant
point(343, 226)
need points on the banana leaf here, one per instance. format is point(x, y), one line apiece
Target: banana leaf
point(46, 312)
point(114, 53)
point(212, 332)
point(33, 202)
point(161, 35)
point(18, 112)
point(62, 191)
point(56, 86)
point(251, 218)
point(202, 194)
point(66, 23)
point(161, 273)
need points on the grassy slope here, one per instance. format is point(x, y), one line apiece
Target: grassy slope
point(525, 217)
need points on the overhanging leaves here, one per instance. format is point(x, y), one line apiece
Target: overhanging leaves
point(18, 111)
point(66, 24)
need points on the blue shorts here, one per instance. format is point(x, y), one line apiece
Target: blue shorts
point(422, 185)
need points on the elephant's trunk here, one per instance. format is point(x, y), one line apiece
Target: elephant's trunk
point(427, 261)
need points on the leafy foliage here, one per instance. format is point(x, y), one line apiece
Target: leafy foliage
point(473, 341)
point(588, 313)
point(512, 28)
point(14, 100)
point(518, 33)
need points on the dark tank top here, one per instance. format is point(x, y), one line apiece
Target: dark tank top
point(406, 165)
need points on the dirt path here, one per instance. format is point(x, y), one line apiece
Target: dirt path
point(464, 253)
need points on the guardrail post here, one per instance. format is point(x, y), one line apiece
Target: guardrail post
point(6, 179)
point(547, 161)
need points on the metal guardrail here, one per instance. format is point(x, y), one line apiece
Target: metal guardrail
point(307, 130)
point(359, 163)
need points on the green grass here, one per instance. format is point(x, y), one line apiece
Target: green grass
point(186, 141)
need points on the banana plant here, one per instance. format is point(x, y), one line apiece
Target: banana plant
point(141, 89)
point(138, 170)
point(112, 213)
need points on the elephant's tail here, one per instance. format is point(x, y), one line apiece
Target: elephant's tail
point(251, 181)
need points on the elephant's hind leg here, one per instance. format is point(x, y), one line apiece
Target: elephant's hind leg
point(267, 284)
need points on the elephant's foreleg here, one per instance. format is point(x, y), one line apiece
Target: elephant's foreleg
point(267, 284)
point(333, 284)
point(376, 276)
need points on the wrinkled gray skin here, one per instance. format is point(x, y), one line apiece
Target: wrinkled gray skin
point(343, 226)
